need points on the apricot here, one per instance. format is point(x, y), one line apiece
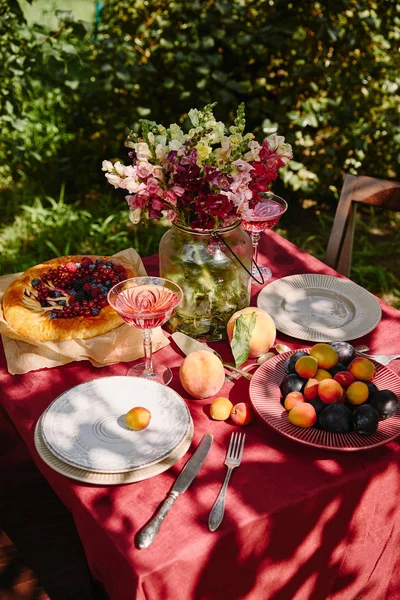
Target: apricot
point(306, 366)
point(264, 332)
point(220, 409)
point(326, 356)
point(137, 418)
point(292, 399)
point(345, 378)
point(362, 368)
point(321, 374)
point(202, 374)
point(357, 393)
point(242, 413)
point(303, 415)
point(311, 389)
point(330, 391)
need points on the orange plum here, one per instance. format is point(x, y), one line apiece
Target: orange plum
point(344, 378)
point(330, 391)
point(357, 393)
point(362, 368)
point(306, 366)
point(220, 409)
point(311, 389)
point(326, 356)
point(292, 399)
point(137, 418)
point(303, 415)
point(242, 413)
point(321, 374)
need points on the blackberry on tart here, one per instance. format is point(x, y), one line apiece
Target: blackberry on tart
point(65, 298)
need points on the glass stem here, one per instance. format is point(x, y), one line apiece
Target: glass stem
point(255, 238)
point(148, 351)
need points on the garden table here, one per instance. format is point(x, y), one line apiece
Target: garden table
point(300, 522)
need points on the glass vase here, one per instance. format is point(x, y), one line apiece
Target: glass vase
point(213, 269)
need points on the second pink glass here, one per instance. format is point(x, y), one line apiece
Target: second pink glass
point(146, 303)
point(265, 215)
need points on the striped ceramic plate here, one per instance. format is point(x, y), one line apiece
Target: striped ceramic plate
point(265, 396)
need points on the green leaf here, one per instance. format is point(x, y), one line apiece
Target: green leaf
point(241, 338)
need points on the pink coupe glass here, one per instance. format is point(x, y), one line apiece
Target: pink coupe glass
point(146, 303)
point(265, 215)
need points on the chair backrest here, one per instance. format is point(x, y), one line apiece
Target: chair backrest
point(356, 189)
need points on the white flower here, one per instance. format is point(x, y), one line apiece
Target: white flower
point(285, 152)
point(174, 145)
point(242, 166)
point(160, 139)
point(254, 151)
point(107, 166)
point(142, 151)
point(135, 215)
point(161, 151)
point(129, 171)
point(130, 184)
point(114, 180)
point(218, 133)
point(274, 141)
point(120, 168)
point(194, 116)
point(176, 133)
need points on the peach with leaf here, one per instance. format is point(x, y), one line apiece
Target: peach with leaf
point(251, 333)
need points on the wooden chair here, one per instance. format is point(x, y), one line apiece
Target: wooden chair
point(356, 190)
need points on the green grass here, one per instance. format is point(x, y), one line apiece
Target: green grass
point(43, 228)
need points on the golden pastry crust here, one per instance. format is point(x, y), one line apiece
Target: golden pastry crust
point(25, 315)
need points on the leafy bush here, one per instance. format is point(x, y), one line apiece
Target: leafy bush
point(326, 73)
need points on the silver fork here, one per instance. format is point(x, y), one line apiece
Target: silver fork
point(232, 460)
point(381, 358)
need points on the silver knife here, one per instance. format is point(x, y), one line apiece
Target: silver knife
point(189, 345)
point(147, 534)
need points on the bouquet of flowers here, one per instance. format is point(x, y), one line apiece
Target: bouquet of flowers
point(204, 179)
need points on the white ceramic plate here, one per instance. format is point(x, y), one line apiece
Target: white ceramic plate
point(320, 308)
point(111, 478)
point(85, 428)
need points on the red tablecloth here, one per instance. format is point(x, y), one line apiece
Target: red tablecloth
point(300, 523)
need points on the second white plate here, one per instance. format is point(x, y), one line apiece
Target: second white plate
point(85, 428)
point(320, 308)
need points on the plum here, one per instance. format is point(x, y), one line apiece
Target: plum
point(336, 418)
point(365, 419)
point(345, 351)
point(385, 402)
point(292, 383)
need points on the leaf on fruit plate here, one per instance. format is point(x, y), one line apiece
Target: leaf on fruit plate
point(241, 338)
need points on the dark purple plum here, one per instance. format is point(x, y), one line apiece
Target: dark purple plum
point(337, 369)
point(385, 402)
point(365, 419)
point(345, 351)
point(291, 383)
point(336, 418)
point(372, 387)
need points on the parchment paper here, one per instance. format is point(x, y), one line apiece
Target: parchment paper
point(122, 344)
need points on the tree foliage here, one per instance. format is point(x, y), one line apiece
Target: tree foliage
point(325, 74)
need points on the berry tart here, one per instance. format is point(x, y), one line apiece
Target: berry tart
point(65, 298)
